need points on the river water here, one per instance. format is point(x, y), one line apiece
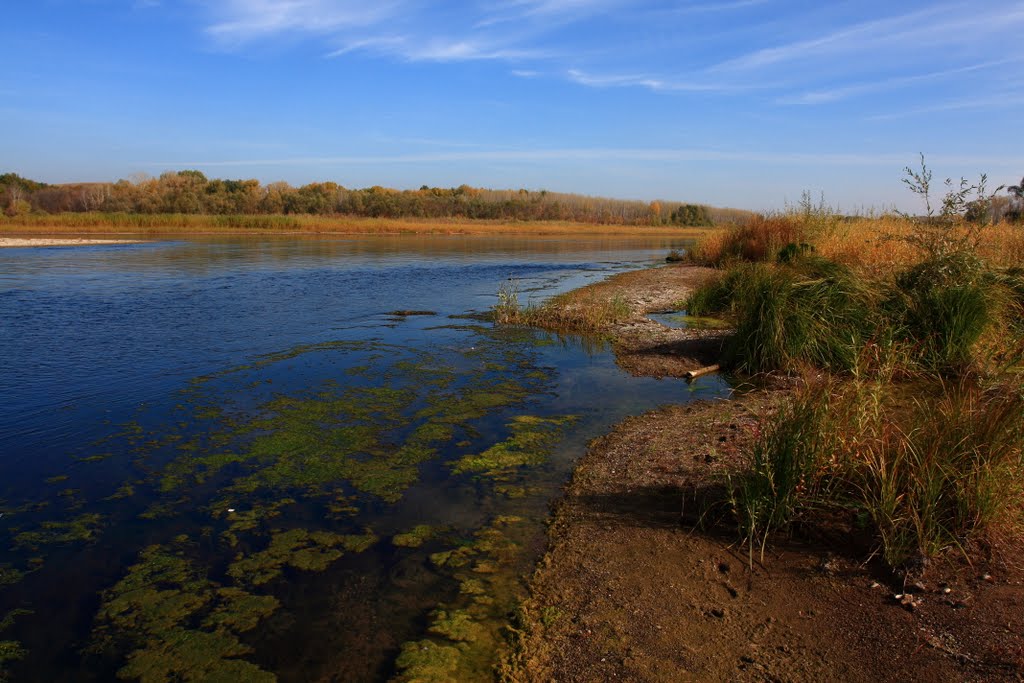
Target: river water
point(301, 459)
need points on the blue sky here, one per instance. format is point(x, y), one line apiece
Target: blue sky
point(741, 103)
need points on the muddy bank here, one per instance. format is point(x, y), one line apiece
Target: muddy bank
point(641, 584)
point(643, 346)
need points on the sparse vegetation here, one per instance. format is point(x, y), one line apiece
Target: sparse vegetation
point(915, 427)
point(581, 310)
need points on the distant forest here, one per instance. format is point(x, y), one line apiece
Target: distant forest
point(191, 192)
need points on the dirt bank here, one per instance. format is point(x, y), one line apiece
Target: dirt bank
point(632, 589)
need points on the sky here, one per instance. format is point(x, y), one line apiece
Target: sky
point(742, 103)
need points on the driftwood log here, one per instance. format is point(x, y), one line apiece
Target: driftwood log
point(694, 374)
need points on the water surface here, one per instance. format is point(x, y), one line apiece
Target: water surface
point(233, 458)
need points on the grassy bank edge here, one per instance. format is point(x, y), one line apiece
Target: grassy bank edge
point(190, 224)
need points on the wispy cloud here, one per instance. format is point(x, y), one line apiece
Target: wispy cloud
point(246, 20)
point(843, 38)
point(857, 89)
point(946, 24)
point(716, 6)
point(538, 37)
point(435, 49)
point(641, 81)
point(546, 10)
point(1013, 100)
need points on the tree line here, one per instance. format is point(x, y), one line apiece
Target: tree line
point(191, 192)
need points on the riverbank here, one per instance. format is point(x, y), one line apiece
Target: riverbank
point(632, 588)
point(298, 224)
point(13, 242)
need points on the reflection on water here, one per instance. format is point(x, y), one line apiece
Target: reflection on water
point(227, 459)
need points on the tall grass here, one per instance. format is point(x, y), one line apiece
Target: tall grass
point(930, 474)
point(785, 472)
point(814, 312)
point(811, 312)
point(759, 239)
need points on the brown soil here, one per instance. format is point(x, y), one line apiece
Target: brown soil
point(644, 347)
point(633, 589)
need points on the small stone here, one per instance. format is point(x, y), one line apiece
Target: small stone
point(908, 601)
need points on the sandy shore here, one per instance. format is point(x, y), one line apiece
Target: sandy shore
point(643, 582)
point(57, 242)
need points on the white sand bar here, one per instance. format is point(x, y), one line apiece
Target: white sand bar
point(56, 242)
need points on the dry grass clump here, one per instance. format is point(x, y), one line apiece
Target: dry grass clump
point(583, 310)
point(759, 239)
point(926, 467)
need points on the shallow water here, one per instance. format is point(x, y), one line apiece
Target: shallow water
point(682, 320)
point(230, 457)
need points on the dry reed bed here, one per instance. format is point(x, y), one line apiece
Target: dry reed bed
point(97, 223)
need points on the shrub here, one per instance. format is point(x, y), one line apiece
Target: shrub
point(758, 240)
point(943, 305)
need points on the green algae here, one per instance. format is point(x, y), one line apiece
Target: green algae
point(529, 444)
point(9, 575)
point(415, 537)
point(243, 521)
point(298, 548)
point(457, 626)
point(190, 655)
point(466, 636)
point(426, 661)
point(353, 434)
point(153, 612)
point(244, 464)
point(10, 651)
point(84, 528)
point(239, 611)
point(8, 619)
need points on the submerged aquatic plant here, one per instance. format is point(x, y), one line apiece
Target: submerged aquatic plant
point(465, 636)
point(529, 444)
point(176, 624)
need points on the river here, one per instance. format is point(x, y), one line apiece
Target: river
point(295, 458)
